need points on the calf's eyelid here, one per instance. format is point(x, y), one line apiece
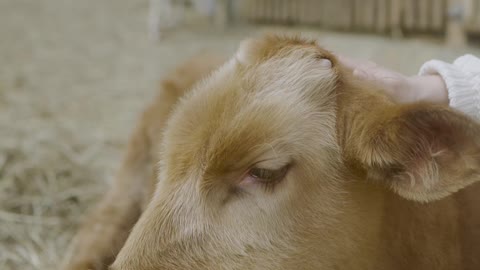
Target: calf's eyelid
point(272, 164)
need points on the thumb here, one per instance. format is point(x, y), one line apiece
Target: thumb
point(362, 74)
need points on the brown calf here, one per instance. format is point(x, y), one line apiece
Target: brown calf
point(281, 160)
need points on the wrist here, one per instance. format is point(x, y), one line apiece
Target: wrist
point(430, 88)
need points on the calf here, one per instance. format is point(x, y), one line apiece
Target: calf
point(280, 159)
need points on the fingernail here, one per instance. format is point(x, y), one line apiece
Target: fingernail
point(325, 63)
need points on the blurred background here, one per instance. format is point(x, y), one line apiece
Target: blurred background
point(74, 76)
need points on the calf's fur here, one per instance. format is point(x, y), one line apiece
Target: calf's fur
point(370, 184)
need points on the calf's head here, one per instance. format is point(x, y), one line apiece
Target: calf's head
point(281, 160)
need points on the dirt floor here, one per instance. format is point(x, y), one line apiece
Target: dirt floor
point(74, 76)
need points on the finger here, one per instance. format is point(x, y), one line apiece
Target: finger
point(362, 74)
point(325, 63)
point(366, 65)
point(348, 62)
point(356, 63)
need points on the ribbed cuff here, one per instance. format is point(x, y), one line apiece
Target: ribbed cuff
point(468, 63)
point(462, 90)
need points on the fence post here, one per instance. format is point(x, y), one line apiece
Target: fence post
point(455, 33)
point(221, 13)
point(396, 11)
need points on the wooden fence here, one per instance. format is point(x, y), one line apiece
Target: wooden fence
point(473, 15)
point(383, 16)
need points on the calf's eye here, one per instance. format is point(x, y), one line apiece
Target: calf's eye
point(268, 175)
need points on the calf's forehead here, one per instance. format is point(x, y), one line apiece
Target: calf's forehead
point(242, 108)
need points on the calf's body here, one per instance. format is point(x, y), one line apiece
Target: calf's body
point(281, 160)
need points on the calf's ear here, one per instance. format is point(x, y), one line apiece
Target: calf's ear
point(424, 152)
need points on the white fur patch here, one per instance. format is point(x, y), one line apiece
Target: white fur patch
point(243, 52)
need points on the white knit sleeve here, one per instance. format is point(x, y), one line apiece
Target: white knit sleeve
point(462, 79)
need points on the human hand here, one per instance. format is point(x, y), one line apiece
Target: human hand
point(401, 88)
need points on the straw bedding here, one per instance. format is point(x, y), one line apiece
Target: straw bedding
point(74, 75)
